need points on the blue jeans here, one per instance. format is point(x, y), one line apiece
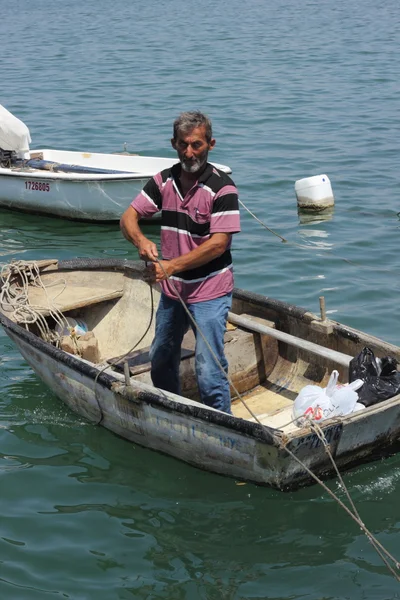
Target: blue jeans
point(172, 322)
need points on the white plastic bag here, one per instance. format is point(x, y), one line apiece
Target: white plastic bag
point(316, 403)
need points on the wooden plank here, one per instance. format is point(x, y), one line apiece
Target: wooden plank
point(139, 361)
point(260, 401)
point(253, 324)
point(40, 264)
point(70, 298)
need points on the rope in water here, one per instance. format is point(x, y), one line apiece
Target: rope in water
point(383, 553)
point(305, 246)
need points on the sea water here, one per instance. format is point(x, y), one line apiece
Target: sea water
point(294, 89)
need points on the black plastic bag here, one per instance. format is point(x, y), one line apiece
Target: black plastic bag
point(380, 376)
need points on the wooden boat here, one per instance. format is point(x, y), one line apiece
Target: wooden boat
point(81, 186)
point(274, 349)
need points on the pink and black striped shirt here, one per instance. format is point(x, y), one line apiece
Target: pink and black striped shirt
point(210, 206)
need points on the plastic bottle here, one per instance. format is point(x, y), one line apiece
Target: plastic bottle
point(76, 326)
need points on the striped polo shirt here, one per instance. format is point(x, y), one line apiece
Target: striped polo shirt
point(210, 206)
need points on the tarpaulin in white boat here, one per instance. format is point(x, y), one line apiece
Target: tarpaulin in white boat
point(14, 134)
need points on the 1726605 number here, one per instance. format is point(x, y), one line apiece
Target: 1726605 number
point(37, 186)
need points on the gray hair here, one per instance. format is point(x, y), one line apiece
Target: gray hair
point(187, 121)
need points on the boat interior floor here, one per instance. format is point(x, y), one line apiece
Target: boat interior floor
point(266, 403)
point(270, 408)
point(266, 377)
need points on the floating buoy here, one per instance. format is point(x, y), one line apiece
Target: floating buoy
point(314, 193)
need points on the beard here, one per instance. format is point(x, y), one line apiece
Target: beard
point(194, 165)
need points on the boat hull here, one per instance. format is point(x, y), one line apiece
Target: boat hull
point(265, 451)
point(98, 187)
point(75, 199)
point(242, 450)
point(209, 446)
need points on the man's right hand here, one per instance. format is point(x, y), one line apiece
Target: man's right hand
point(147, 250)
point(130, 228)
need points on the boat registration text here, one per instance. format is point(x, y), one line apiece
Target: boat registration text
point(39, 186)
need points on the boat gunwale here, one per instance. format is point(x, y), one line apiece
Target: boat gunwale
point(308, 317)
point(98, 177)
point(74, 177)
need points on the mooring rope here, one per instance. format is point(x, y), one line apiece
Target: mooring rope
point(303, 246)
point(383, 553)
point(205, 340)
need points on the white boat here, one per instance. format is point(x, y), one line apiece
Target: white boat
point(82, 186)
point(274, 350)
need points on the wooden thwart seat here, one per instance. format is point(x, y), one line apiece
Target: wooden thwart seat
point(139, 361)
point(257, 325)
point(70, 298)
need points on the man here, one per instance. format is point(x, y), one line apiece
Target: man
point(200, 212)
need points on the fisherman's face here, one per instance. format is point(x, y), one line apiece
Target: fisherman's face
point(193, 149)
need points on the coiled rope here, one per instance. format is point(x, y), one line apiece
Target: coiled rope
point(15, 279)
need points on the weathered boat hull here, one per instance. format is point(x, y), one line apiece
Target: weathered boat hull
point(152, 421)
point(219, 443)
point(209, 439)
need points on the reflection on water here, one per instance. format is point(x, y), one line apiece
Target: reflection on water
point(307, 217)
point(315, 236)
point(30, 237)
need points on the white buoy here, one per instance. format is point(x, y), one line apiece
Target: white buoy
point(314, 193)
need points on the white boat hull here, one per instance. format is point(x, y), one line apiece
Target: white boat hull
point(80, 196)
point(77, 200)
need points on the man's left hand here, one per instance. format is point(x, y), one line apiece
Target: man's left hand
point(158, 271)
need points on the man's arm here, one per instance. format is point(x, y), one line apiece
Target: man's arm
point(129, 224)
point(215, 246)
